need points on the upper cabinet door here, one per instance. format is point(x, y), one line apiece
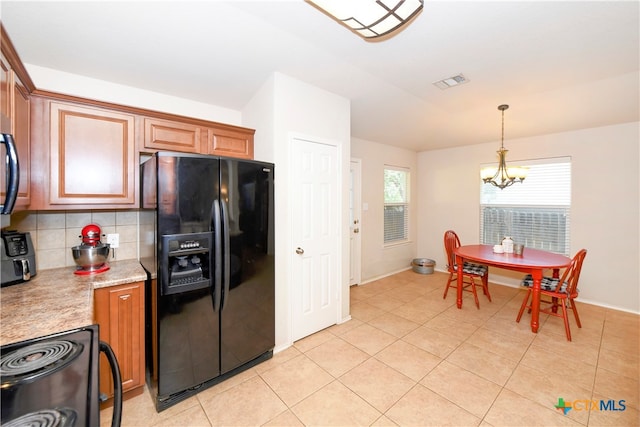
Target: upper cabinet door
point(92, 157)
point(231, 143)
point(172, 136)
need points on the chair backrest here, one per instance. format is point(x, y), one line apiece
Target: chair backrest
point(451, 241)
point(572, 274)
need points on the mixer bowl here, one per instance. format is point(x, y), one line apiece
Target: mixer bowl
point(90, 257)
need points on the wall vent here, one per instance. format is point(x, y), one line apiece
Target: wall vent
point(451, 81)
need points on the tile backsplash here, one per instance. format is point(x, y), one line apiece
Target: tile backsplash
point(54, 233)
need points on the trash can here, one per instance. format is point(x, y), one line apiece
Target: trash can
point(423, 265)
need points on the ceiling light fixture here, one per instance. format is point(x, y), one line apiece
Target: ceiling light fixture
point(370, 18)
point(503, 176)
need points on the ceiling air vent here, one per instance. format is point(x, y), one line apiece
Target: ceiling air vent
point(451, 81)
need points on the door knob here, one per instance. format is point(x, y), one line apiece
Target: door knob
point(356, 230)
point(299, 251)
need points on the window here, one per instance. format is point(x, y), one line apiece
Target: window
point(396, 204)
point(535, 213)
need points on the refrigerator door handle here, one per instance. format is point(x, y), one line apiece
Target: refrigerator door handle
point(226, 271)
point(217, 255)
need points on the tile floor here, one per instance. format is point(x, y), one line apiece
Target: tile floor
point(408, 357)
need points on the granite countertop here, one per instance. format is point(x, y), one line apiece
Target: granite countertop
point(57, 300)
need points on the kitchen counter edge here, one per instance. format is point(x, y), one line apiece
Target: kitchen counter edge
point(57, 300)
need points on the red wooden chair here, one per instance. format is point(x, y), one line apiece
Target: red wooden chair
point(559, 291)
point(470, 271)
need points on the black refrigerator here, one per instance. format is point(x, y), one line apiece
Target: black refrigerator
point(207, 244)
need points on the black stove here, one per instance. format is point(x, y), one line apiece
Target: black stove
point(53, 380)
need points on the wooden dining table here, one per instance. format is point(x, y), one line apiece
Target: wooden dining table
point(532, 261)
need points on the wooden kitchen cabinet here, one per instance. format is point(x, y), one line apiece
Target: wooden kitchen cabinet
point(230, 143)
point(86, 156)
point(119, 310)
point(196, 136)
point(171, 136)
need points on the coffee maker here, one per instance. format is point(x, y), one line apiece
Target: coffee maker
point(18, 257)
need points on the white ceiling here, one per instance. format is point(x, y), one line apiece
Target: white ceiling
point(559, 65)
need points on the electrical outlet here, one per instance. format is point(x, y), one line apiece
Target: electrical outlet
point(113, 240)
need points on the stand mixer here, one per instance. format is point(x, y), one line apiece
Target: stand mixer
point(91, 255)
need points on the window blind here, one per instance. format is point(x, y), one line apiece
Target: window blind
point(535, 212)
point(396, 204)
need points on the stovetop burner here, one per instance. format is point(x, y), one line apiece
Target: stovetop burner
point(35, 360)
point(45, 418)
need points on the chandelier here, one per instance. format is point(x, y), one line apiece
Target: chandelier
point(502, 176)
point(370, 18)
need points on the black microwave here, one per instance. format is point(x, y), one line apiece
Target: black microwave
point(11, 176)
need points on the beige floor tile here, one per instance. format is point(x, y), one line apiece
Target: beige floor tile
point(589, 333)
point(577, 352)
point(383, 421)
point(296, 379)
point(422, 407)
point(435, 302)
point(625, 323)
point(625, 364)
point(451, 326)
point(408, 359)
point(278, 358)
point(335, 405)
point(549, 361)
point(416, 311)
point(546, 388)
point(141, 411)
point(482, 362)
point(504, 322)
point(433, 341)
point(368, 339)
point(364, 311)
point(393, 324)
point(249, 403)
point(510, 410)
point(499, 343)
point(385, 301)
point(615, 386)
point(377, 383)
point(625, 344)
point(365, 291)
point(192, 417)
point(468, 313)
point(287, 418)
point(314, 340)
point(337, 356)
point(227, 384)
point(467, 390)
point(409, 292)
point(345, 327)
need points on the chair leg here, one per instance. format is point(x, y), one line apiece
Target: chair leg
point(475, 294)
point(566, 319)
point(446, 288)
point(575, 312)
point(524, 305)
point(485, 286)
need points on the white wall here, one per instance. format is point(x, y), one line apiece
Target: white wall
point(378, 260)
point(283, 108)
point(604, 208)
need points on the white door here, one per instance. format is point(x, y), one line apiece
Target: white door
point(316, 236)
point(355, 227)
